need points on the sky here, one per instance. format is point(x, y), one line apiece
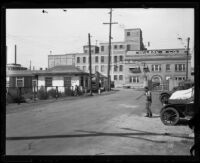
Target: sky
point(36, 33)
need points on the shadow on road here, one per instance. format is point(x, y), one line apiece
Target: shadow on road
point(96, 134)
point(161, 134)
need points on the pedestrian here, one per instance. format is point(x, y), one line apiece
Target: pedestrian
point(99, 90)
point(76, 90)
point(148, 102)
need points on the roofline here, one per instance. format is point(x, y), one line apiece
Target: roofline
point(133, 29)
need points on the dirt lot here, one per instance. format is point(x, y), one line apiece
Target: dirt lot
point(106, 124)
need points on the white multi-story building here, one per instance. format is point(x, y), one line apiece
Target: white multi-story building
point(131, 62)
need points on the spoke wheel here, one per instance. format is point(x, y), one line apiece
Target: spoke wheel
point(170, 116)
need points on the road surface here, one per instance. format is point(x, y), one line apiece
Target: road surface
point(106, 124)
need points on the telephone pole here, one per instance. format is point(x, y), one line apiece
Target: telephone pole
point(188, 40)
point(90, 64)
point(109, 47)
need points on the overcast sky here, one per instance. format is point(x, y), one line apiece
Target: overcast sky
point(36, 33)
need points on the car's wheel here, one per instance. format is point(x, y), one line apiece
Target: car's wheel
point(164, 98)
point(169, 116)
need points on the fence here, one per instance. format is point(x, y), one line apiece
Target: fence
point(164, 86)
point(23, 94)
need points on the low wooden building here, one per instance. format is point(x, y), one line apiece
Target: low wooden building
point(59, 76)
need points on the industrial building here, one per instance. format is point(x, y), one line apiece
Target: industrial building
point(131, 63)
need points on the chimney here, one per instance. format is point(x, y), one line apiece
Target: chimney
point(15, 54)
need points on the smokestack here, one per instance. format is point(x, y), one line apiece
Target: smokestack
point(15, 54)
point(30, 64)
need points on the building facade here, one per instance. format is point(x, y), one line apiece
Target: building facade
point(131, 63)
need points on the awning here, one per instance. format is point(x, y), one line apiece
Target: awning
point(135, 70)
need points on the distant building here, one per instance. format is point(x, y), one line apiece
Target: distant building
point(14, 66)
point(131, 63)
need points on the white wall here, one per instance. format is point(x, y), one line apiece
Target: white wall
point(58, 81)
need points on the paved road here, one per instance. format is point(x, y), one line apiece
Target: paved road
point(111, 124)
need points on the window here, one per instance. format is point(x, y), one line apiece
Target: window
point(134, 79)
point(179, 78)
point(115, 77)
point(96, 68)
point(102, 68)
point(128, 47)
point(156, 67)
point(78, 59)
point(121, 46)
point(121, 68)
point(137, 52)
point(84, 68)
point(84, 59)
point(115, 59)
point(120, 58)
point(48, 81)
point(19, 82)
point(67, 81)
point(102, 48)
point(96, 59)
point(179, 67)
point(85, 51)
point(115, 46)
point(167, 67)
point(102, 59)
point(120, 77)
point(128, 33)
point(115, 68)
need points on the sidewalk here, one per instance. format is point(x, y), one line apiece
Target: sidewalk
point(14, 107)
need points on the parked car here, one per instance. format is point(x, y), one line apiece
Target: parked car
point(180, 105)
point(164, 96)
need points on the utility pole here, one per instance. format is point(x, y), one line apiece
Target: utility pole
point(90, 64)
point(109, 47)
point(188, 40)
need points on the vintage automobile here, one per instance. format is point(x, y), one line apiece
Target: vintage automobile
point(164, 96)
point(180, 106)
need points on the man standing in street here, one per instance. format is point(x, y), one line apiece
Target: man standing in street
point(148, 102)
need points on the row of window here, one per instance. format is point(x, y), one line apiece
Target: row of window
point(102, 68)
point(116, 59)
point(136, 79)
point(128, 47)
point(118, 77)
point(157, 67)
